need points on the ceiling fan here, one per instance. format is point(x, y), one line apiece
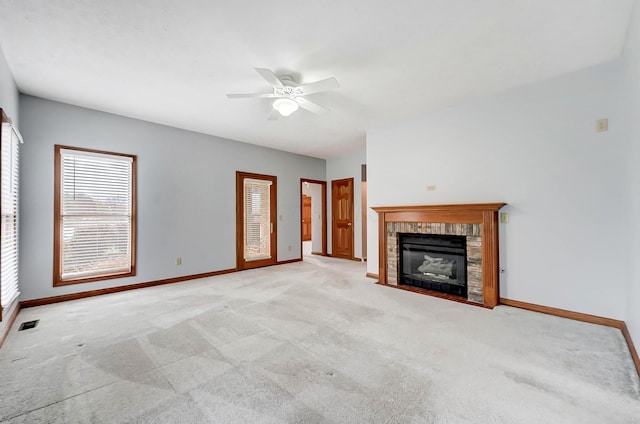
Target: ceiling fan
point(289, 95)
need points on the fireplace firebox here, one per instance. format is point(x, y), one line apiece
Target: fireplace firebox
point(433, 262)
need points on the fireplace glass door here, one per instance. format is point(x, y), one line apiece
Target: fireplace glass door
point(434, 262)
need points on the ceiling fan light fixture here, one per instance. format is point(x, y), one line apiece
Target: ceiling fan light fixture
point(285, 106)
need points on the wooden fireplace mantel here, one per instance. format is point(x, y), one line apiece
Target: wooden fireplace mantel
point(485, 214)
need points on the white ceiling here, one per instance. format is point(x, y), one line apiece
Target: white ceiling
point(172, 62)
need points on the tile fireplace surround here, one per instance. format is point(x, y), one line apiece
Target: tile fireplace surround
point(477, 221)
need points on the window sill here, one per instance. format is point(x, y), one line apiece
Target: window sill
point(57, 281)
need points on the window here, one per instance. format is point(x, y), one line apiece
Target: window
point(10, 140)
point(257, 220)
point(94, 223)
point(256, 211)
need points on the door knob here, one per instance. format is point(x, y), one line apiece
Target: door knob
point(349, 224)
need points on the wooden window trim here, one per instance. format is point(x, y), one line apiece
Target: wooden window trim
point(57, 220)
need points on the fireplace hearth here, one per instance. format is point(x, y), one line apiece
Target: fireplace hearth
point(433, 262)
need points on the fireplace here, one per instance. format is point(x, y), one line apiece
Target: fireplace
point(477, 223)
point(434, 262)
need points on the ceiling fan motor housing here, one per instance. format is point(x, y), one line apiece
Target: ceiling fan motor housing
point(290, 87)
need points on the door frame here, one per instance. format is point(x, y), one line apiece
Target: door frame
point(273, 195)
point(323, 196)
point(353, 229)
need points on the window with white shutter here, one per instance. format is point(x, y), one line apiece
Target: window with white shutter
point(256, 224)
point(9, 182)
point(94, 215)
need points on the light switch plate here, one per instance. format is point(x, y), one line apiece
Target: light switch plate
point(504, 218)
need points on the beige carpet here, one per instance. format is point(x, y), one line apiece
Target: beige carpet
point(312, 342)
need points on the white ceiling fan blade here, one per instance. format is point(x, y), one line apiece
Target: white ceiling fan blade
point(271, 78)
point(260, 95)
point(318, 86)
point(310, 106)
point(274, 115)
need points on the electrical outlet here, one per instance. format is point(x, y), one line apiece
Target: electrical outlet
point(431, 187)
point(179, 260)
point(289, 248)
point(602, 125)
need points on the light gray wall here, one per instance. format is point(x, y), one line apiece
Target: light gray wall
point(186, 192)
point(316, 213)
point(632, 81)
point(535, 148)
point(8, 102)
point(8, 91)
point(347, 166)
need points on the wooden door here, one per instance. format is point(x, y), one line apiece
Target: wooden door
point(306, 218)
point(255, 220)
point(342, 218)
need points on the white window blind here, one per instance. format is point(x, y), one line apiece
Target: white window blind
point(95, 214)
point(257, 219)
point(9, 205)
